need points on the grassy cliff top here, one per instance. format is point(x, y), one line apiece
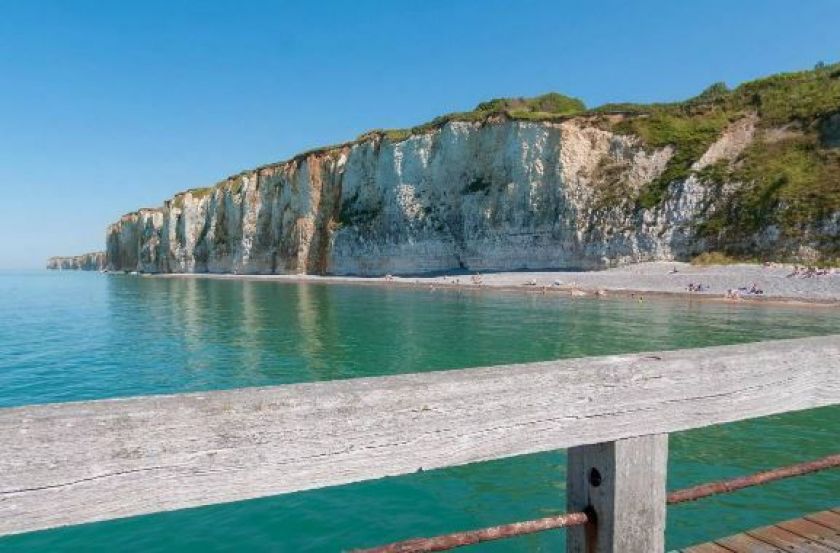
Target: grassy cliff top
point(799, 170)
point(778, 99)
point(547, 107)
point(800, 101)
point(803, 96)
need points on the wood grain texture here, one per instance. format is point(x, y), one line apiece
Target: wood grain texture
point(812, 531)
point(706, 548)
point(828, 519)
point(742, 543)
point(627, 497)
point(792, 536)
point(71, 463)
point(788, 541)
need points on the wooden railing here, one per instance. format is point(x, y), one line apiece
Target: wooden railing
point(71, 463)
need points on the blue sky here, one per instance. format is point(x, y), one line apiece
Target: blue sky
point(107, 106)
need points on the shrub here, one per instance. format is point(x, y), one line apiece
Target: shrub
point(480, 184)
point(689, 135)
point(713, 258)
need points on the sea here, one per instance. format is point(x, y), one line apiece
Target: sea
point(75, 336)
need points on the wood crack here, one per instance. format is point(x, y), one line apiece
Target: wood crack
point(83, 480)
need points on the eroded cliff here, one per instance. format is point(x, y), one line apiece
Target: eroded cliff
point(94, 261)
point(506, 189)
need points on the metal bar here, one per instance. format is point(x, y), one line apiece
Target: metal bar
point(726, 486)
point(460, 539)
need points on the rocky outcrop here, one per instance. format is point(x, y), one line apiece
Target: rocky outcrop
point(830, 131)
point(731, 143)
point(94, 261)
point(498, 194)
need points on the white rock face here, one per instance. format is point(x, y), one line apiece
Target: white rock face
point(499, 195)
point(94, 261)
point(734, 139)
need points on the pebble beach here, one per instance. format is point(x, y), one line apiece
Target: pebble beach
point(653, 278)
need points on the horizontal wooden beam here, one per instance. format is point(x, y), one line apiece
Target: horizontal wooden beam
point(71, 463)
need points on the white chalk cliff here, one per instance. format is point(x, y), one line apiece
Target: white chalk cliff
point(499, 194)
point(94, 261)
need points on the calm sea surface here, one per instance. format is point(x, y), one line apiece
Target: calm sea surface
point(74, 336)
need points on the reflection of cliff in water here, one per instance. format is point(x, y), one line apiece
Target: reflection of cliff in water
point(219, 333)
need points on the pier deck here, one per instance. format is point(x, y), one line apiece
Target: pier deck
point(814, 533)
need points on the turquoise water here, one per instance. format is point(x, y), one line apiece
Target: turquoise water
point(71, 336)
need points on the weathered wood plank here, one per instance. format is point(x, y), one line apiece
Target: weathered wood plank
point(742, 543)
point(788, 541)
point(793, 536)
point(624, 483)
point(79, 462)
point(826, 518)
point(813, 531)
point(707, 548)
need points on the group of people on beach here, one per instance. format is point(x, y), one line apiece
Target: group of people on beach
point(809, 272)
point(737, 293)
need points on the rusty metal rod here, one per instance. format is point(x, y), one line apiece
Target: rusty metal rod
point(726, 486)
point(460, 539)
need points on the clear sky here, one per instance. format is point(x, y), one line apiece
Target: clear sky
point(107, 106)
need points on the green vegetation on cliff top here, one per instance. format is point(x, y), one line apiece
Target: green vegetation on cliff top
point(551, 106)
point(689, 126)
point(799, 100)
point(789, 175)
point(789, 179)
point(796, 172)
point(778, 99)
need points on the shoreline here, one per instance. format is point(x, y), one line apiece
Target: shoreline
point(651, 280)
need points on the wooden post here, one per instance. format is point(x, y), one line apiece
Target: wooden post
point(623, 484)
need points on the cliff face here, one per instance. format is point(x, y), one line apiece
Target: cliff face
point(527, 183)
point(94, 261)
point(498, 194)
point(493, 196)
